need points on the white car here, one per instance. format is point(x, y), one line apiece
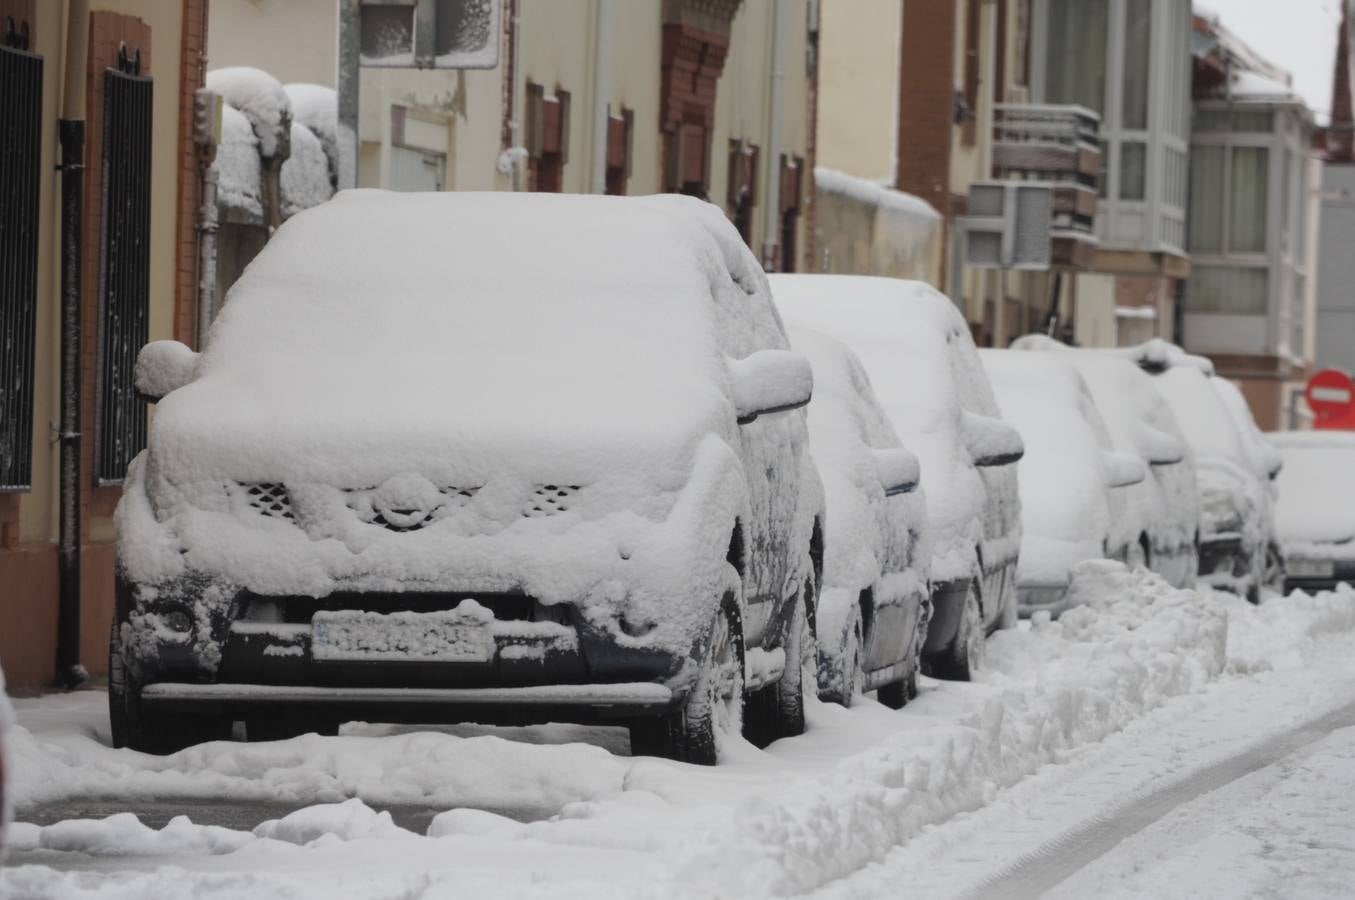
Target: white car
point(874, 602)
point(1163, 511)
point(1073, 506)
point(492, 457)
point(1315, 509)
point(927, 376)
point(1235, 500)
point(1265, 462)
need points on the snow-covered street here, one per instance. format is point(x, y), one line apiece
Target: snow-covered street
point(1121, 750)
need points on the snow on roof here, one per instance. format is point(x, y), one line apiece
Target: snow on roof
point(873, 193)
point(541, 318)
point(925, 371)
point(1251, 86)
point(305, 173)
point(317, 107)
point(1066, 510)
point(237, 166)
point(260, 97)
point(1316, 502)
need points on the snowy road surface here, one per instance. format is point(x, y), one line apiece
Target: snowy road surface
point(1120, 751)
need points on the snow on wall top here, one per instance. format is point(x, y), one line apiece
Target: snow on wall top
point(1316, 501)
point(873, 193)
point(317, 107)
point(372, 328)
point(260, 97)
point(305, 180)
point(925, 371)
point(237, 166)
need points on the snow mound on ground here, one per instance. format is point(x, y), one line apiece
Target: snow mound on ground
point(348, 821)
point(1276, 633)
point(124, 834)
point(423, 767)
point(1135, 643)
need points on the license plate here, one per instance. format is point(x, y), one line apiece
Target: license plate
point(348, 636)
point(1310, 568)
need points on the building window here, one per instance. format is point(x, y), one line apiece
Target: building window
point(547, 139)
point(1076, 55)
point(20, 177)
point(1228, 199)
point(1227, 289)
point(125, 266)
point(619, 130)
point(1138, 35)
point(1133, 174)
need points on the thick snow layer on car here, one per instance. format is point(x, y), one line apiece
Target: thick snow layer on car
point(926, 375)
point(238, 168)
point(1315, 509)
point(317, 107)
point(305, 175)
point(260, 97)
point(564, 417)
point(1201, 413)
point(1068, 510)
point(1263, 458)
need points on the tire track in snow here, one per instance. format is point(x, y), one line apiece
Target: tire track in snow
point(1039, 871)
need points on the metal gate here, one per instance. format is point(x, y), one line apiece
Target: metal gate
point(125, 271)
point(20, 178)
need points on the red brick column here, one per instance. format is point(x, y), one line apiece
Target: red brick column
point(192, 75)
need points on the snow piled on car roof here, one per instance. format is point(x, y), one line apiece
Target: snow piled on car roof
point(1316, 503)
point(925, 372)
point(1067, 510)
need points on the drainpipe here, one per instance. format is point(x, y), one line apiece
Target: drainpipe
point(349, 78)
point(207, 228)
point(602, 39)
point(71, 132)
point(775, 90)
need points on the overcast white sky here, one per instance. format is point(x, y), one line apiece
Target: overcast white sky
point(1298, 35)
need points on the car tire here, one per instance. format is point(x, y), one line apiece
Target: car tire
point(137, 728)
point(716, 701)
point(964, 656)
point(840, 675)
point(778, 710)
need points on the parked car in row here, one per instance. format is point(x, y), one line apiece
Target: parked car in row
point(1315, 512)
point(874, 603)
point(1072, 480)
point(447, 477)
point(927, 376)
point(6, 800)
point(1163, 511)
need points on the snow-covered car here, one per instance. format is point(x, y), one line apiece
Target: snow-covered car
point(1236, 522)
point(1315, 508)
point(492, 457)
point(874, 602)
point(1073, 506)
point(926, 373)
point(1163, 511)
point(1265, 461)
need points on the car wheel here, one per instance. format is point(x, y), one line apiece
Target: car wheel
point(964, 656)
point(715, 704)
point(137, 728)
point(840, 674)
point(780, 708)
point(1137, 554)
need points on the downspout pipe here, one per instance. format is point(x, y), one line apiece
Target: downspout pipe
point(71, 134)
point(602, 40)
point(775, 91)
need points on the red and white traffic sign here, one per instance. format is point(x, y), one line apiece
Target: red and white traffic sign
point(1331, 396)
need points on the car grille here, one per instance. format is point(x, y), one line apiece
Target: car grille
point(269, 499)
point(453, 499)
point(549, 499)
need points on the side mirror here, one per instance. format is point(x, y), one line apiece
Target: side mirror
point(770, 381)
point(163, 366)
point(1124, 469)
point(898, 470)
point(992, 442)
point(1158, 447)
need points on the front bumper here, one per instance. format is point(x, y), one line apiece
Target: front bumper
point(1316, 574)
point(593, 702)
